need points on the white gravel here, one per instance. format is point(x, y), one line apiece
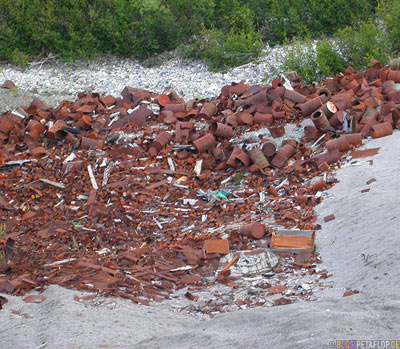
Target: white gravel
point(109, 75)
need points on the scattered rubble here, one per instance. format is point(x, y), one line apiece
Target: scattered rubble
point(147, 195)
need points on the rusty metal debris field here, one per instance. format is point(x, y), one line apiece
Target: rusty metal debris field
point(142, 195)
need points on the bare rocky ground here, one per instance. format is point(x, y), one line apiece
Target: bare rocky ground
point(360, 248)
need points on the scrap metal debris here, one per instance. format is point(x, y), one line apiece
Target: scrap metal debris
point(183, 183)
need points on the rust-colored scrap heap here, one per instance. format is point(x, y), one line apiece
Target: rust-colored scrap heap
point(139, 195)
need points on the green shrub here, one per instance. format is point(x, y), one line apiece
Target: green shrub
point(281, 20)
point(221, 51)
point(329, 61)
point(358, 45)
point(300, 56)
point(389, 14)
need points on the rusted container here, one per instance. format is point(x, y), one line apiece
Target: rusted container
point(329, 109)
point(57, 133)
point(221, 130)
point(35, 125)
point(240, 155)
point(207, 111)
point(269, 148)
point(89, 143)
point(258, 158)
point(232, 120)
point(341, 143)
point(253, 230)
point(343, 101)
point(283, 155)
point(245, 119)
point(6, 125)
point(277, 131)
point(176, 108)
point(355, 139)
point(394, 96)
point(388, 86)
point(320, 120)
point(312, 105)
point(310, 132)
point(336, 120)
point(38, 152)
point(294, 96)
point(265, 119)
point(381, 130)
point(394, 75)
point(329, 157)
point(163, 100)
point(204, 143)
point(278, 115)
point(161, 140)
point(259, 98)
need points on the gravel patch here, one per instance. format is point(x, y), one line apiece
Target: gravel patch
point(57, 80)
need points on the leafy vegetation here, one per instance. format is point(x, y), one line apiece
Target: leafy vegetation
point(222, 32)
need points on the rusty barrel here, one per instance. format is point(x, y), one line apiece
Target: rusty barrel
point(204, 143)
point(258, 158)
point(221, 130)
point(253, 230)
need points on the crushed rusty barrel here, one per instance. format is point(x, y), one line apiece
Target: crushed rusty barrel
point(294, 96)
point(207, 111)
point(329, 157)
point(176, 108)
point(394, 75)
point(265, 119)
point(381, 130)
point(89, 143)
point(6, 125)
point(258, 158)
point(269, 148)
point(277, 131)
point(253, 230)
point(245, 119)
point(38, 152)
point(312, 105)
point(161, 140)
point(283, 155)
point(221, 130)
point(388, 86)
point(205, 143)
point(342, 143)
point(56, 132)
point(320, 120)
point(343, 101)
point(355, 139)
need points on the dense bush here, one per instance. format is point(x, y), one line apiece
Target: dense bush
point(141, 28)
point(389, 14)
point(329, 60)
point(284, 19)
point(358, 45)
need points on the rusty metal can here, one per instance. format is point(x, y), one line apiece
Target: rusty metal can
point(320, 120)
point(381, 130)
point(57, 133)
point(207, 111)
point(161, 140)
point(253, 230)
point(221, 130)
point(266, 119)
point(277, 131)
point(258, 158)
point(269, 148)
point(204, 143)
